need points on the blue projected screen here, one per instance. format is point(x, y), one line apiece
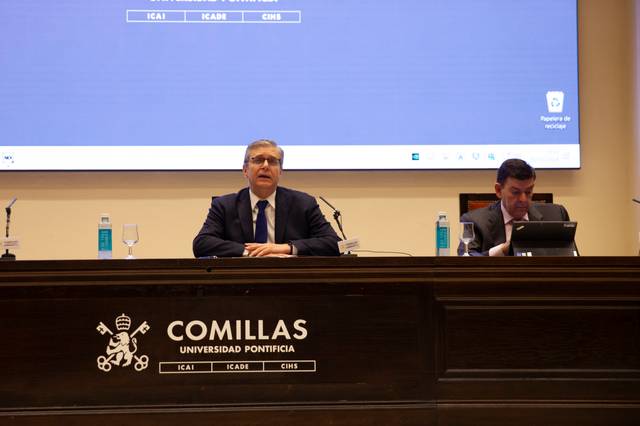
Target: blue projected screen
point(339, 84)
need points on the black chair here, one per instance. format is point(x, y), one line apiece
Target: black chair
point(470, 202)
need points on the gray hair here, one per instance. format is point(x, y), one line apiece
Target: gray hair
point(262, 143)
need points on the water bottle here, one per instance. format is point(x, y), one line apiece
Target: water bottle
point(104, 237)
point(442, 235)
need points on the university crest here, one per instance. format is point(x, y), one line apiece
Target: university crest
point(122, 347)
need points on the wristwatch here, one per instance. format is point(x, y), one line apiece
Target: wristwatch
point(290, 247)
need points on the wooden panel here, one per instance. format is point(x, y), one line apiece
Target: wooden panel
point(393, 341)
point(542, 340)
point(360, 345)
point(538, 414)
point(370, 415)
point(550, 330)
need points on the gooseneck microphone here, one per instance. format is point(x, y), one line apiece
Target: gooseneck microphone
point(336, 216)
point(7, 255)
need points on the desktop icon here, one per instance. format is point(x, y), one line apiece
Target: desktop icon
point(555, 101)
point(7, 158)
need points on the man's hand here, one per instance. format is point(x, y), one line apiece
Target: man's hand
point(505, 248)
point(267, 249)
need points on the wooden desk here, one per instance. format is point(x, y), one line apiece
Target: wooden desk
point(313, 341)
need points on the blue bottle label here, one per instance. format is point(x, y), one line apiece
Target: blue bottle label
point(104, 240)
point(442, 237)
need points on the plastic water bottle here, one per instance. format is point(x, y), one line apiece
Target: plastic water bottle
point(442, 235)
point(104, 237)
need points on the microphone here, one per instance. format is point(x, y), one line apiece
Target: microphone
point(11, 203)
point(336, 216)
point(8, 210)
point(7, 255)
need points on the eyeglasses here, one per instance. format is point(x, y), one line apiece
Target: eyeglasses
point(259, 161)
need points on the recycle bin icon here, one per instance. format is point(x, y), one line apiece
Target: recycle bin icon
point(555, 101)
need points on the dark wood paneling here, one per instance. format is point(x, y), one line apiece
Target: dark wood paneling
point(396, 341)
point(548, 414)
point(539, 339)
point(371, 415)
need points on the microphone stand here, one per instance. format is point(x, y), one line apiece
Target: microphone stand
point(7, 255)
point(336, 216)
point(635, 200)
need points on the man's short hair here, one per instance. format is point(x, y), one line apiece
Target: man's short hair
point(515, 168)
point(259, 144)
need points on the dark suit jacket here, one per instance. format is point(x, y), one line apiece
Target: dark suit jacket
point(299, 220)
point(489, 224)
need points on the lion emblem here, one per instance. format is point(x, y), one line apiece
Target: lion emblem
point(122, 346)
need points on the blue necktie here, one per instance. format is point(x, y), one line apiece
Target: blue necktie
point(261, 222)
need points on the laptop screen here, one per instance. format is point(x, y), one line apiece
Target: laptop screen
point(545, 238)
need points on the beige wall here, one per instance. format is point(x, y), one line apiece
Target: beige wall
point(56, 214)
point(636, 121)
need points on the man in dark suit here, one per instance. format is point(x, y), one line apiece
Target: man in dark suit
point(265, 219)
point(493, 224)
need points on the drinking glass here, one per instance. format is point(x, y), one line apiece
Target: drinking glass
point(130, 237)
point(467, 234)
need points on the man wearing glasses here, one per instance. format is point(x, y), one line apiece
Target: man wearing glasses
point(265, 219)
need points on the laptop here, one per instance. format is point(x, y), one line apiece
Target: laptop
point(545, 238)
